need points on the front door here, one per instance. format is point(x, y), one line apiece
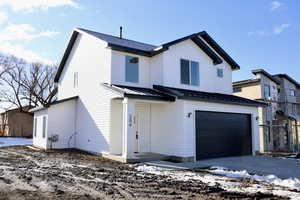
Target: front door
point(142, 128)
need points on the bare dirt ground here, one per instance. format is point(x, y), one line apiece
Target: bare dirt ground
point(30, 174)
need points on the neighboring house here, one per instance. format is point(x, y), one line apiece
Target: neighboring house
point(16, 123)
point(122, 99)
point(278, 121)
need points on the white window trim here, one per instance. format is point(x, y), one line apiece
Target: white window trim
point(75, 81)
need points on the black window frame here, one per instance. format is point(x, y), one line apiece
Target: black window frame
point(127, 72)
point(188, 80)
point(220, 75)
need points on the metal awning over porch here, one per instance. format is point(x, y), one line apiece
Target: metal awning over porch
point(139, 93)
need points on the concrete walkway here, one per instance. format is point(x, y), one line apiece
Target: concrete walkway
point(261, 165)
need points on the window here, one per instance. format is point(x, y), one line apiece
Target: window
point(132, 69)
point(292, 92)
point(189, 72)
point(237, 89)
point(267, 93)
point(44, 126)
point(75, 83)
point(220, 73)
point(35, 126)
point(269, 131)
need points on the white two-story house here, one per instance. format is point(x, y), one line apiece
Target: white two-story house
point(123, 99)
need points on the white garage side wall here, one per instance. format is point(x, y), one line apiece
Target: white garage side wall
point(189, 123)
point(88, 56)
point(118, 64)
point(94, 119)
point(209, 82)
point(61, 122)
point(38, 140)
point(167, 133)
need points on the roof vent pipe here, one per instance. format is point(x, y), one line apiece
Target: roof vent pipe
point(121, 32)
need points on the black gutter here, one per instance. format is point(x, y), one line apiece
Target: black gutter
point(129, 50)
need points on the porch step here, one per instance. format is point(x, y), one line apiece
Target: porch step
point(137, 157)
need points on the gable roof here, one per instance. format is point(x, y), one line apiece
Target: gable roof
point(288, 78)
point(201, 39)
point(261, 71)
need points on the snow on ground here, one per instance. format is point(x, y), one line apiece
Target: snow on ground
point(226, 179)
point(9, 141)
point(293, 183)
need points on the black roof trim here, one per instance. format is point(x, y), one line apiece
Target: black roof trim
point(246, 82)
point(288, 78)
point(139, 93)
point(208, 97)
point(261, 71)
point(63, 100)
point(129, 50)
point(219, 50)
point(65, 56)
point(216, 59)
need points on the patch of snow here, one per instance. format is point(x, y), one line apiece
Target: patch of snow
point(293, 183)
point(279, 187)
point(7, 141)
point(149, 169)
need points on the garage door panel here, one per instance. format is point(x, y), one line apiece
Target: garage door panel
point(222, 134)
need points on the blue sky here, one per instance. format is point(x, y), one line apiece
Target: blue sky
point(256, 33)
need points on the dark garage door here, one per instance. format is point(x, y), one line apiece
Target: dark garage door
point(222, 134)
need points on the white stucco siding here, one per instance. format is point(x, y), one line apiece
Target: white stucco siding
point(61, 122)
point(89, 55)
point(189, 123)
point(209, 81)
point(39, 140)
point(118, 63)
point(167, 133)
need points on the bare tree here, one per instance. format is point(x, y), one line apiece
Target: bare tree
point(26, 84)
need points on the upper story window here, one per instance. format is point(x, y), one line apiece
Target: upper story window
point(132, 69)
point(267, 91)
point(292, 92)
point(75, 81)
point(220, 73)
point(237, 89)
point(189, 72)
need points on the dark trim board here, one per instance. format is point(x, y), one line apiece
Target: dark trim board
point(222, 134)
point(216, 59)
point(208, 96)
point(66, 55)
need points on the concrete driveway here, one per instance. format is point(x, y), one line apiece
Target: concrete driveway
point(261, 165)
